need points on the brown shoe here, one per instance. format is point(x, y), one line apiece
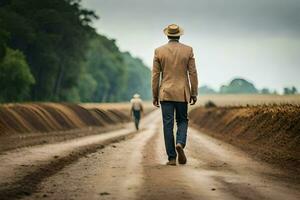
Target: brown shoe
point(181, 155)
point(171, 162)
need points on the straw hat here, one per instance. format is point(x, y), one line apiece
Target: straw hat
point(173, 30)
point(136, 96)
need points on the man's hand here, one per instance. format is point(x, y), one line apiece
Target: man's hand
point(193, 100)
point(155, 103)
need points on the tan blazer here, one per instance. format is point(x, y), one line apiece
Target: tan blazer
point(174, 74)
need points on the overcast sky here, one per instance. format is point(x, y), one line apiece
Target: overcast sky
point(255, 39)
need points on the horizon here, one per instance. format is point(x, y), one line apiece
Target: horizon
point(252, 40)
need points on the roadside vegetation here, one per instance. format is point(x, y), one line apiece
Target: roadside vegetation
point(243, 86)
point(50, 52)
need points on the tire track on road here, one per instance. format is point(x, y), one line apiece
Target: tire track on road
point(110, 173)
point(167, 182)
point(135, 169)
point(22, 170)
point(234, 173)
point(28, 183)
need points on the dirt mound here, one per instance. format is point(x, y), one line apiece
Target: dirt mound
point(271, 133)
point(45, 117)
point(29, 124)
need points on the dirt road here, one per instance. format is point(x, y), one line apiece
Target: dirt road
point(94, 168)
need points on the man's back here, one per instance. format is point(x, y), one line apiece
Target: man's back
point(174, 84)
point(136, 104)
point(175, 61)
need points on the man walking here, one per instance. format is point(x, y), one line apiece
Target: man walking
point(174, 84)
point(136, 109)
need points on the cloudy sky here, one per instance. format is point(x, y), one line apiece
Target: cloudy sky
point(255, 39)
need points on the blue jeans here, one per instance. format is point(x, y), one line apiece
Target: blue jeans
point(168, 108)
point(137, 117)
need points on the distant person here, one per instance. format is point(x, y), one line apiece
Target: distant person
point(136, 109)
point(174, 84)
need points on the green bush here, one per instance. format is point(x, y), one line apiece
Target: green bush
point(15, 77)
point(210, 104)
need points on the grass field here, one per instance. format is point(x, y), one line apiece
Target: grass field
point(239, 100)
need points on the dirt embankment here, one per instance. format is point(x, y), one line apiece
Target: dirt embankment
point(270, 133)
point(46, 117)
point(35, 123)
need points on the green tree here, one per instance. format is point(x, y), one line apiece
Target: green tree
point(206, 90)
point(118, 75)
point(138, 78)
point(3, 39)
point(105, 64)
point(67, 58)
point(238, 86)
point(291, 90)
point(53, 34)
point(15, 77)
point(87, 87)
point(265, 91)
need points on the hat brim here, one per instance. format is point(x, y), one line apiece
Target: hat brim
point(180, 33)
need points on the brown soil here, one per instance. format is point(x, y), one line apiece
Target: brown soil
point(29, 124)
point(134, 168)
point(270, 133)
point(45, 117)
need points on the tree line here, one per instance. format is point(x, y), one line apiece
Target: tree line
point(243, 86)
point(49, 51)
